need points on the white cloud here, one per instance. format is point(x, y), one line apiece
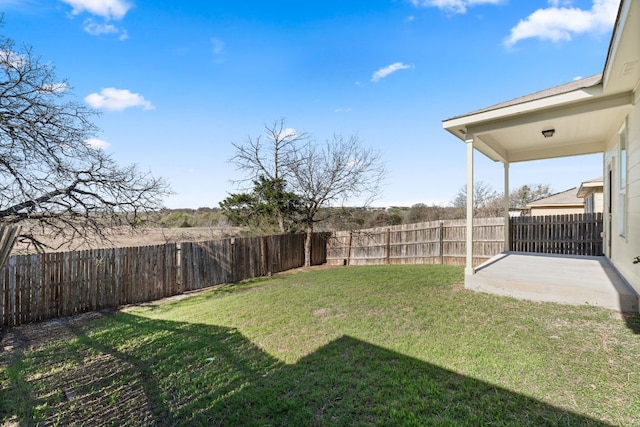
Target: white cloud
point(455, 6)
point(217, 46)
point(389, 69)
point(287, 133)
point(558, 23)
point(11, 59)
point(96, 143)
point(55, 87)
point(113, 99)
point(342, 110)
point(107, 9)
point(96, 29)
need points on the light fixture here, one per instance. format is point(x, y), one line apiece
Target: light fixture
point(548, 133)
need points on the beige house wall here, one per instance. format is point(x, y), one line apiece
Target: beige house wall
point(598, 202)
point(556, 210)
point(625, 241)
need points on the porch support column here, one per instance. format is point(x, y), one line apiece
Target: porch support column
point(469, 270)
point(507, 238)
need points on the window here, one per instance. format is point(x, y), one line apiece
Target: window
point(589, 204)
point(622, 189)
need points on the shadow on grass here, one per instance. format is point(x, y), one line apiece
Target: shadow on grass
point(633, 322)
point(130, 370)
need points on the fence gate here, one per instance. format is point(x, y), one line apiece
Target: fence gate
point(576, 234)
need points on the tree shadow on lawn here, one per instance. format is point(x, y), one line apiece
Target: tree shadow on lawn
point(137, 371)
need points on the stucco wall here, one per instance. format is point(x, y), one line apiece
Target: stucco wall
point(625, 248)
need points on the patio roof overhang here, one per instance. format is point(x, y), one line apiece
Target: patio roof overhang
point(583, 119)
point(585, 113)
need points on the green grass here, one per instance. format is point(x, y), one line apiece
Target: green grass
point(398, 345)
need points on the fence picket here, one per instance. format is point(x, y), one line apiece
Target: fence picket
point(437, 242)
point(574, 234)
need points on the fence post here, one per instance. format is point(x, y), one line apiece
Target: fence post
point(233, 264)
point(264, 259)
point(349, 248)
point(388, 246)
point(179, 278)
point(441, 240)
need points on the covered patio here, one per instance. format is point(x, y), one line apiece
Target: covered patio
point(574, 119)
point(564, 279)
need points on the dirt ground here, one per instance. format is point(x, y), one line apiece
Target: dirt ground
point(35, 335)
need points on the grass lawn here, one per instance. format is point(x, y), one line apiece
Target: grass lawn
point(388, 345)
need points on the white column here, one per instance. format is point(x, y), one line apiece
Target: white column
point(506, 206)
point(469, 270)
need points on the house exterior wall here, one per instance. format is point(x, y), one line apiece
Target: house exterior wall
point(594, 202)
point(598, 201)
point(556, 210)
point(625, 241)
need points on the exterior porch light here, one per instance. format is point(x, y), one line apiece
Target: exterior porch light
point(548, 133)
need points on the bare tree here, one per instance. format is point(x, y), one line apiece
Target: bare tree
point(270, 158)
point(316, 176)
point(525, 194)
point(331, 174)
point(484, 198)
point(51, 179)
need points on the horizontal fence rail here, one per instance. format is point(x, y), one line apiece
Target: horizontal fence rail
point(437, 242)
point(575, 234)
point(45, 286)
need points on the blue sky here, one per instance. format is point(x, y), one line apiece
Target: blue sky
point(178, 81)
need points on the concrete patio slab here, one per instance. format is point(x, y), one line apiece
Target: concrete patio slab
point(563, 279)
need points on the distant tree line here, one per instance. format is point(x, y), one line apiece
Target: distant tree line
point(487, 203)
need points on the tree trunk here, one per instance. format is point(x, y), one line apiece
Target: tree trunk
point(281, 223)
point(307, 246)
point(7, 240)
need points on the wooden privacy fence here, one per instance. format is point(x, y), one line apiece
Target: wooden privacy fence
point(205, 264)
point(45, 286)
point(577, 234)
point(437, 242)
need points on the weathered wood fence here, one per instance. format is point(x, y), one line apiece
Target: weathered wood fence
point(577, 234)
point(44, 286)
point(437, 242)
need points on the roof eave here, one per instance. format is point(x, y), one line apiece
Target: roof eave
point(458, 126)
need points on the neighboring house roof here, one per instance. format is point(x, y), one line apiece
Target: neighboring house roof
point(590, 186)
point(566, 198)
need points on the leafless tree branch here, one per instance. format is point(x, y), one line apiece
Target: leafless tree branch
point(51, 180)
